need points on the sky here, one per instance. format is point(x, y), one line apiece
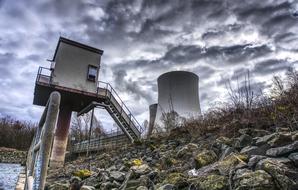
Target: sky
point(219, 40)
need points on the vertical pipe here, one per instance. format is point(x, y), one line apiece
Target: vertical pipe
point(61, 136)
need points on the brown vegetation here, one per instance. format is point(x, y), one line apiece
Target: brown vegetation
point(16, 134)
point(245, 109)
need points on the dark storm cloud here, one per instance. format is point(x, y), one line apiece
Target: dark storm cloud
point(271, 66)
point(216, 39)
point(188, 54)
point(272, 18)
point(127, 85)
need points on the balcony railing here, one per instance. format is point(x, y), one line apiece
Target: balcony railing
point(44, 75)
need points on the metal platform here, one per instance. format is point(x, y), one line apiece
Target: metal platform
point(82, 102)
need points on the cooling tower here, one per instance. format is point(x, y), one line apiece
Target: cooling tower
point(178, 91)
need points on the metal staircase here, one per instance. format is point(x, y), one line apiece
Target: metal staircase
point(110, 100)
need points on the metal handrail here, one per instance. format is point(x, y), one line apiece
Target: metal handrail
point(122, 105)
point(40, 149)
point(39, 74)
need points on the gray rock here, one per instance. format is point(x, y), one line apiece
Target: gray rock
point(59, 186)
point(253, 132)
point(85, 187)
point(279, 151)
point(112, 168)
point(283, 175)
point(294, 158)
point(254, 160)
point(107, 185)
point(280, 139)
point(141, 170)
point(118, 176)
point(142, 188)
point(187, 150)
point(245, 179)
point(243, 141)
point(226, 152)
point(264, 139)
point(254, 150)
point(167, 187)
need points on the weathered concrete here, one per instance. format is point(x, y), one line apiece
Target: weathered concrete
point(21, 181)
point(61, 136)
point(178, 91)
point(152, 116)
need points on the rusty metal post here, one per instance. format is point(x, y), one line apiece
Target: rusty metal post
point(61, 136)
point(46, 141)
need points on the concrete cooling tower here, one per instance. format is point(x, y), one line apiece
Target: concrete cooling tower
point(178, 91)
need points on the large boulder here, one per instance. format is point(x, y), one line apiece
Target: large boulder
point(245, 179)
point(285, 177)
point(204, 158)
point(283, 150)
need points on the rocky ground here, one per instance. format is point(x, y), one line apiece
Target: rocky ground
point(256, 159)
point(10, 155)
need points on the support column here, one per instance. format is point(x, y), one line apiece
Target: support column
point(60, 138)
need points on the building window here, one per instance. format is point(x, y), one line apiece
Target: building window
point(92, 71)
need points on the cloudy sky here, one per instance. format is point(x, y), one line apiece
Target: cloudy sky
point(216, 39)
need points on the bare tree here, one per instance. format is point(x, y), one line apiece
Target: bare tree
point(243, 96)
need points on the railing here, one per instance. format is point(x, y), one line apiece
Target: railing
point(123, 107)
point(44, 75)
point(40, 149)
point(112, 138)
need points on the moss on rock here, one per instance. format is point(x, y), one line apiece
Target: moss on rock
point(258, 180)
point(177, 179)
point(230, 162)
point(205, 158)
point(83, 174)
point(214, 182)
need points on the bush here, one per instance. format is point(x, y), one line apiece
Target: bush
point(278, 109)
point(16, 134)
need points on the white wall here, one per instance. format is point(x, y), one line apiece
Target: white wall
point(72, 66)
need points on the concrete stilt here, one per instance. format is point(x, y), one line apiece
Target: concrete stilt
point(61, 136)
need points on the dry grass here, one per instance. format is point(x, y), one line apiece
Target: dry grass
point(279, 109)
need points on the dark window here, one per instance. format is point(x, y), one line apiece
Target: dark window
point(92, 71)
